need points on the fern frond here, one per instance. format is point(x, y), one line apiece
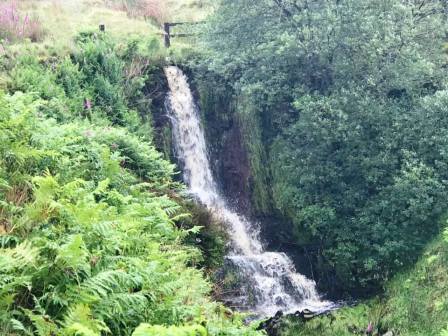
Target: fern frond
point(105, 228)
point(80, 321)
point(8, 241)
point(23, 255)
point(4, 184)
point(78, 329)
point(107, 282)
point(16, 325)
point(131, 307)
point(74, 254)
point(43, 325)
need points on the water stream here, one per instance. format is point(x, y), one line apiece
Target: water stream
point(269, 280)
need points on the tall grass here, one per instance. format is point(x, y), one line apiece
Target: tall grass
point(149, 9)
point(15, 26)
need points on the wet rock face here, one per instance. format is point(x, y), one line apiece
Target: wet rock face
point(234, 169)
point(227, 150)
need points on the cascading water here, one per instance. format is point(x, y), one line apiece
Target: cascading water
point(271, 277)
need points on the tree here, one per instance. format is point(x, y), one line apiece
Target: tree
point(351, 107)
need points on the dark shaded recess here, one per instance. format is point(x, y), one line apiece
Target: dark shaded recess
point(431, 88)
point(396, 93)
point(156, 88)
point(227, 153)
point(319, 75)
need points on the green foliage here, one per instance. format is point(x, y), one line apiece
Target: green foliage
point(344, 122)
point(103, 73)
point(390, 200)
point(147, 330)
point(211, 238)
point(91, 234)
point(99, 81)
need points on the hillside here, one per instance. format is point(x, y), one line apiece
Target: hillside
point(60, 20)
point(96, 236)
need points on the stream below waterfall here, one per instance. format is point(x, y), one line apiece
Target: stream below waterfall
point(269, 280)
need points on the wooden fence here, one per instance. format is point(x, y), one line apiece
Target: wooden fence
point(167, 34)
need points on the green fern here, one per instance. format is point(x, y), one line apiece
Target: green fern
point(22, 256)
point(79, 321)
point(42, 324)
point(74, 254)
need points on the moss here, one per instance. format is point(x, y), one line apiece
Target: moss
point(222, 112)
point(249, 118)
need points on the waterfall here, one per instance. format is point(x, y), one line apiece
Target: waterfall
point(270, 277)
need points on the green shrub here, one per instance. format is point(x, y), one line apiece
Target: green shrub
point(147, 330)
point(89, 236)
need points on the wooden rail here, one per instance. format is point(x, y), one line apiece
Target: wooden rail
point(167, 31)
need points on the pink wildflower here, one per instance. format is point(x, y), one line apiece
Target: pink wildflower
point(87, 104)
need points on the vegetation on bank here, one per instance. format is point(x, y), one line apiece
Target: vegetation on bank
point(95, 237)
point(414, 304)
point(346, 101)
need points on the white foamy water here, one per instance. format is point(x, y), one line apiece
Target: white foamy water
point(271, 276)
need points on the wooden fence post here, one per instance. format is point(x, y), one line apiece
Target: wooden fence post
point(166, 27)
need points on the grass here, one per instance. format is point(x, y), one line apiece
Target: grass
point(63, 19)
point(417, 302)
point(189, 10)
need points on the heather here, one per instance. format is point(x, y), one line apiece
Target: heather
point(16, 25)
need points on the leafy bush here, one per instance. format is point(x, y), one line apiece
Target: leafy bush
point(369, 206)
